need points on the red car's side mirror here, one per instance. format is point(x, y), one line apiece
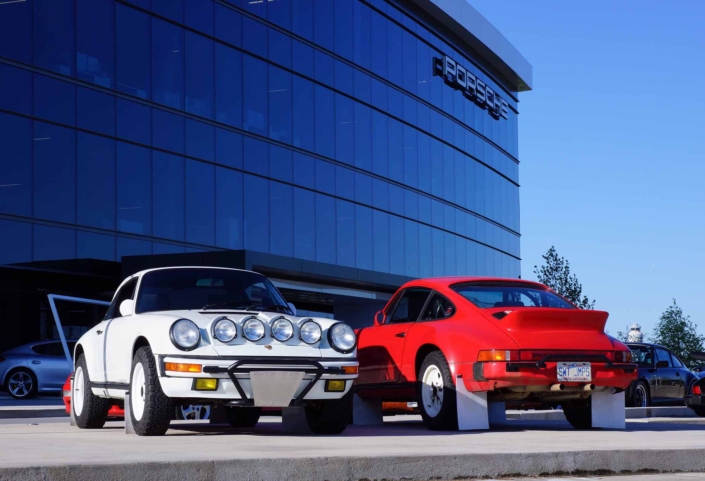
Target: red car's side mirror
point(379, 318)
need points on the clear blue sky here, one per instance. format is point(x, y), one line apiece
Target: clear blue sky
point(612, 148)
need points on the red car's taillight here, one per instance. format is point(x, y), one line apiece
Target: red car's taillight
point(622, 356)
point(697, 391)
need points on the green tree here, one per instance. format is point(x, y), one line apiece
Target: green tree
point(555, 273)
point(622, 336)
point(679, 334)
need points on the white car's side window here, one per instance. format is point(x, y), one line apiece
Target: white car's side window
point(126, 292)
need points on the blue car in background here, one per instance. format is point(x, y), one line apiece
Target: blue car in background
point(38, 367)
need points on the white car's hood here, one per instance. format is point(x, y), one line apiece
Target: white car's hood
point(267, 346)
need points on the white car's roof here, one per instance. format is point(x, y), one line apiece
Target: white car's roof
point(140, 273)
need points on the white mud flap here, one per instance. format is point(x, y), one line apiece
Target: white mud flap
point(473, 412)
point(367, 412)
point(129, 427)
point(608, 410)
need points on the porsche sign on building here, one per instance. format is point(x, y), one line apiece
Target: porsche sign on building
point(341, 148)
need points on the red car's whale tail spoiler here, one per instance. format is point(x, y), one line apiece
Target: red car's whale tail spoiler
point(540, 319)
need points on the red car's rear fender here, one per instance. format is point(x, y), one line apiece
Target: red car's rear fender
point(459, 339)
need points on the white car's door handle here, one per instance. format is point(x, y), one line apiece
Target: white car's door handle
point(99, 332)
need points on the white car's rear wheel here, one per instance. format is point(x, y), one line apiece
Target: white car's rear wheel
point(89, 410)
point(150, 409)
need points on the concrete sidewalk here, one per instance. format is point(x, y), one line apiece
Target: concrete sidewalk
point(402, 448)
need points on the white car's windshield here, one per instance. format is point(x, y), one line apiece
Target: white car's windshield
point(196, 288)
point(489, 295)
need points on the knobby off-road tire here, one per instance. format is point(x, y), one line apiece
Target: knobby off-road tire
point(330, 416)
point(435, 391)
point(579, 413)
point(243, 417)
point(89, 410)
point(150, 409)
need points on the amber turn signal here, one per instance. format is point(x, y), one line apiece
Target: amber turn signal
point(205, 385)
point(350, 369)
point(178, 367)
point(497, 355)
point(335, 386)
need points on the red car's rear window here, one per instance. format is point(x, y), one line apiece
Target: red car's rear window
point(487, 296)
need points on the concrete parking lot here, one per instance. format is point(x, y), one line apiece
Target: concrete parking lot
point(402, 449)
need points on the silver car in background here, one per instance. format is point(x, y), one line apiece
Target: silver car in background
point(37, 367)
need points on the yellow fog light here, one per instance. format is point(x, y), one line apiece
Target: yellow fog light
point(205, 384)
point(335, 386)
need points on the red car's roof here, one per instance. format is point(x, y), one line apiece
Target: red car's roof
point(450, 280)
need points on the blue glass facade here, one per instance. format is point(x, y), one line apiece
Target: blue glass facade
point(311, 129)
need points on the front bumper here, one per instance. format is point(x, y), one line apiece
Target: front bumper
point(233, 374)
point(487, 376)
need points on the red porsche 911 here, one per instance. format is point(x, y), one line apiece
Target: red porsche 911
point(512, 340)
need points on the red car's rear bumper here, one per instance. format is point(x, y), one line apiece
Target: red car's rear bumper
point(487, 376)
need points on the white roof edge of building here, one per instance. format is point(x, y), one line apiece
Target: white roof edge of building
point(474, 29)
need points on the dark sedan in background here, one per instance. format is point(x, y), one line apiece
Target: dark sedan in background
point(663, 378)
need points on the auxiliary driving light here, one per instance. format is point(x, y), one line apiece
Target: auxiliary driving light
point(205, 384)
point(178, 367)
point(335, 386)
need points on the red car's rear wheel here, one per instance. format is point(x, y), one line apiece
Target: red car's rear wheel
point(436, 393)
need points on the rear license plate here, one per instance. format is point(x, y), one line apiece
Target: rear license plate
point(574, 371)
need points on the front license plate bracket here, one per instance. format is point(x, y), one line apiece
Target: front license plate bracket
point(274, 388)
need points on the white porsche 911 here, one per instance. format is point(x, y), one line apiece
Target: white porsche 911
point(205, 335)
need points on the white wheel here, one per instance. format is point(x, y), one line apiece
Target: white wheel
point(137, 392)
point(79, 384)
point(432, 390)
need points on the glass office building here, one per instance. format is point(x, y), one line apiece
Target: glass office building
point(318, 139)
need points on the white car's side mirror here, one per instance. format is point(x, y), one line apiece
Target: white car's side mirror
point(127, 307)
point(292, 307)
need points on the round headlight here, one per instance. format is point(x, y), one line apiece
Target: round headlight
point(253, 329)
point(342, 338)
point(282, 329)
point(310, 332)
point(185, 334)
point(225, 330)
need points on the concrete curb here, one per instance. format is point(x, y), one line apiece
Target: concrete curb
point(380, 468)
point(33, 412)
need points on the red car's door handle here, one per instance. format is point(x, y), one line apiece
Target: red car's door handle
point(400, 334)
